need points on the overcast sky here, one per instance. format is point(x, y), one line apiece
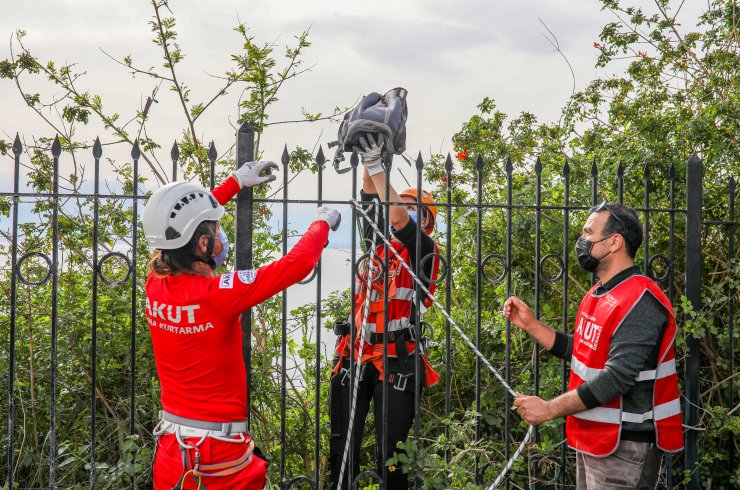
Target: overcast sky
point(448, 54)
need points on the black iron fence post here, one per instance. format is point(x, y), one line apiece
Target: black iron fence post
point(17, 149)
point(564, 307)
point(56, 150)
point(478, 303)
point(730, 294)
point(285, 160)
point(97, 153)
point(693, 293)
point(448, 297)
point(243, 246)
point(135, 155)
point(320, 159)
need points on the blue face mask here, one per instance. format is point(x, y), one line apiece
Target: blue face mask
point(220, 258)
point(413, 215)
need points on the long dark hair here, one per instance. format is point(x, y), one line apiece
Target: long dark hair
point(170, 262)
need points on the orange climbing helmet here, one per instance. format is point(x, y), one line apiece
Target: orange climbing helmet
point(427, 200)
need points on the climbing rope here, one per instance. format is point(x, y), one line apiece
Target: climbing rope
point(467, 340)
point(365, 313)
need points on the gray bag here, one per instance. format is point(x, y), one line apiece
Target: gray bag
point(383, 115)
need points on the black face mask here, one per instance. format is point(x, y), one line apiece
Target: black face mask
point(583, 253)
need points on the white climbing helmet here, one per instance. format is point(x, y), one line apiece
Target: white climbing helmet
point(175, 211)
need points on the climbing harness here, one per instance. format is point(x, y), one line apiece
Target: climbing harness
point(183, 428)
point(470, 344)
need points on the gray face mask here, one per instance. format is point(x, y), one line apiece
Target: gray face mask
point(413, 215)
point(220, 258)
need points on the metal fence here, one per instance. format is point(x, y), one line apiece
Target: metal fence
point(678, 257)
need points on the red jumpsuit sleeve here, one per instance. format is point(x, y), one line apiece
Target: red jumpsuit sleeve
point(240, 290)
point(224, 192)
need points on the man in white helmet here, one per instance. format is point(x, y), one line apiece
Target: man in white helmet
point(193, 316)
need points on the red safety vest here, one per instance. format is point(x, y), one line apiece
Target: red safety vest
point(596, 431)
point(400, 302)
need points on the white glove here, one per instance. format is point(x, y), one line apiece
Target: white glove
point(330, 215)
point(248, 175)
point(371, 153)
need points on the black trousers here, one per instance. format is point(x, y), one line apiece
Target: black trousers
point(400, 417)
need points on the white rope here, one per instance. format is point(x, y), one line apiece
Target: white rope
point(442, 310)
point(497, 482)
point(478, 353)
point(365, 313)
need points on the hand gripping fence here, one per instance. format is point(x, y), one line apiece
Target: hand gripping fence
point(467, 340)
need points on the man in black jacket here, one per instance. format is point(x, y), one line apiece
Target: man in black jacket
point(623, 394)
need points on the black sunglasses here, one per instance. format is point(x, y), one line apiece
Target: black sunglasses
point(605, 207)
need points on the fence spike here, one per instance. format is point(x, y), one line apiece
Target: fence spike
point(354, 160)
point(479, 163)
point(285, 158)
point(646, 171)
point(566, 168)
point(620, 170)
point(672, 171)
point(594, 169)
point(246, 128)
point(175, 152)
point(320, 158)
point(56, 147)
point(509, 166)
point(538, 166)
point(419, 162)
point(17, 146)
point(448, 164)
point(97, 148)
point(732, 185)
point(136, 151)
point(212, 153)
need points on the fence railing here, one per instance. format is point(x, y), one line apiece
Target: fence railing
point(488, 237)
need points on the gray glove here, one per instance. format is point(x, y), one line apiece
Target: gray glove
point(371, 153)
point(248, 175)
point(330, 215)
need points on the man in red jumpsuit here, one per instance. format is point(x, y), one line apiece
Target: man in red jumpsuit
point(193, 316)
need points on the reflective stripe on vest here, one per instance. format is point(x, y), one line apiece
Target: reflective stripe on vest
point(612, 415)
point(586, 373)
point(393, 325)
point(403, 294)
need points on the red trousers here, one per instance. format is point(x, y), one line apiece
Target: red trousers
point(168, 465)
